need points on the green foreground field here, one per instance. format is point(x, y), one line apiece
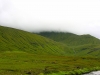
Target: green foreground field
point(21, 63)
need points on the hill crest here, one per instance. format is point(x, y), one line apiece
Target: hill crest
point(70, 38)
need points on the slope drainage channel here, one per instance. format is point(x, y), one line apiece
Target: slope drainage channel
point(93, 73)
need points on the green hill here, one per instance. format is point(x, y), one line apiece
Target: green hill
point(80, 45)
point(69, 44)
point(25, 53)
point(70, 38)
point(17, 40)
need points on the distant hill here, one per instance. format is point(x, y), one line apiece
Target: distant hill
point(70, 38)
point(80, 45)
point(17, 40)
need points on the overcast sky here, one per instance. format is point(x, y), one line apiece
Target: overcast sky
point(77, 16)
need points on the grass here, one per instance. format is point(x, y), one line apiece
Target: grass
point(17, 63)
point(79, 45)
point(24, 53)
point(76, 72)
point(18, 40)
point(15, 40)
point(71, 39)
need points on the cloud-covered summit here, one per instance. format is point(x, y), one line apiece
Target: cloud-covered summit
point(77, 16)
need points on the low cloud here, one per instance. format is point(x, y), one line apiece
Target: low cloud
point(79, 17)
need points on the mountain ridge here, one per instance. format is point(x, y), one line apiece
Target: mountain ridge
point(71, 39)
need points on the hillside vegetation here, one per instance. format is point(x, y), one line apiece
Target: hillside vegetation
point(80, 45)
point(25, 53)
point(64, 43)
point(21, 63)
point(70, 38)
point(18, 40)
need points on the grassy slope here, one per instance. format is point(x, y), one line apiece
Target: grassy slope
point(18, 40)
point(21, 54)
point(81, 45)
point(22, 63)
point(70, 38)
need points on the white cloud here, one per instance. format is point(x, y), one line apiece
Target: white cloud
point(78, 16)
